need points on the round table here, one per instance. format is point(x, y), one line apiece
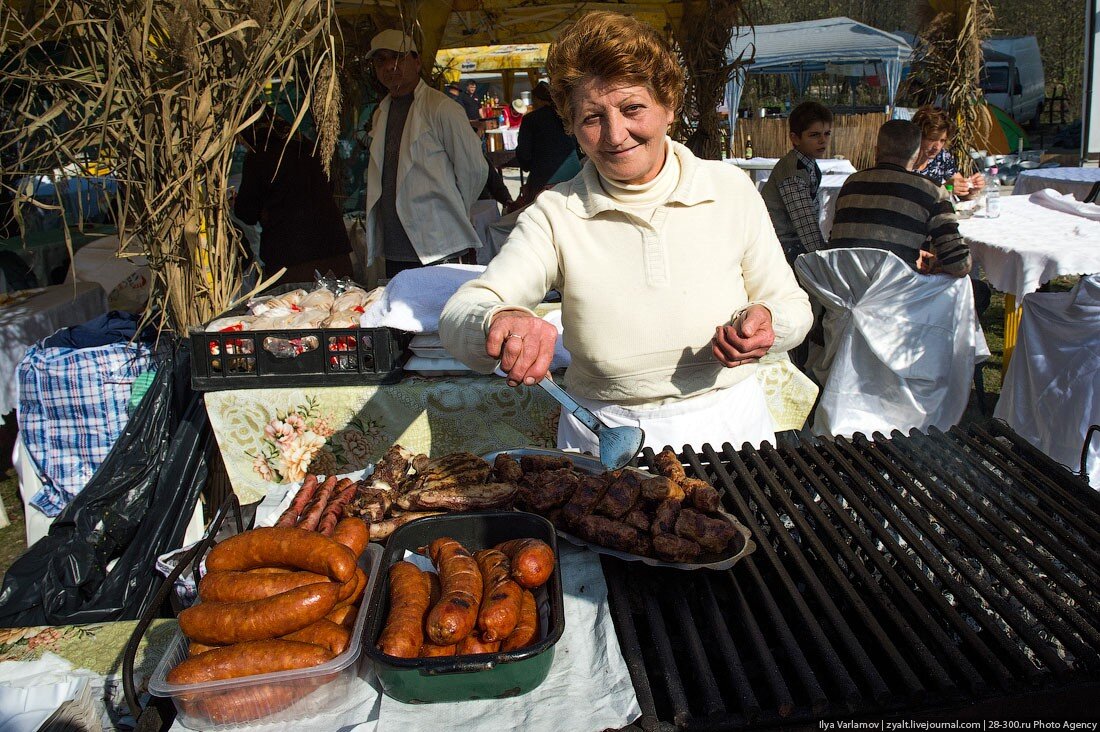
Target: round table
point(1078, 182)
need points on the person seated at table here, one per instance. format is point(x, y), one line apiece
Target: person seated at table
point(285, 189)
point(791, 191)
point(672, 281)
point(893, 208)
point(544, 150)
point(935, 161)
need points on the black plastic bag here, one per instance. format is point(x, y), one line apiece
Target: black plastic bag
point(136, 507)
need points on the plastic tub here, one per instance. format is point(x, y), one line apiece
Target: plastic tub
point(480, 676)
point(283, 696)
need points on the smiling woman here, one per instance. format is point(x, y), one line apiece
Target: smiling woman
point(673, 283)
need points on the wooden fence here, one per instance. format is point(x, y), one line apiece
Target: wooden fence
point(853, 137)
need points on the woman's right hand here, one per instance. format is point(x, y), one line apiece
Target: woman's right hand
point(524, 344)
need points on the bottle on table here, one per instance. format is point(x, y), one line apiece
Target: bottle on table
point(950, 188)
point(992, 195)
point(748, 147)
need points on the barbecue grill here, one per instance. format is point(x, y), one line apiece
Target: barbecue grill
point(940, 575)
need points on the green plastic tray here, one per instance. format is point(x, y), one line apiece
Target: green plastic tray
point(481, 676)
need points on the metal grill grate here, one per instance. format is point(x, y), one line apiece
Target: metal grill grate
point(929, 571)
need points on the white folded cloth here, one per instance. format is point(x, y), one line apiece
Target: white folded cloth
point(413, 300)
point(1050, 198)
point(30, 691)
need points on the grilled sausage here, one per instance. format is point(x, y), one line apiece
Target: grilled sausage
point(247, 659)
point(283, 546)
point(410, 591)
point(549, 489)
point(620, 496)
point(672, 548)
point(431, 650)
point(613, 534)
point(352, 533)
point(289, 517)
point(588, 493)
point(713, 534)
point(532, 561)
point(501, 596)
point(702, 495)
point(335, 510)
point(246, 703)
point(325, 633)
point(660, 488)
point(506, 469)
point(311, 514)
point(528, 627)
point(537, 463)
point(637, 519)
point(472, 644)
point(453, 617)
point(669, 465)
point(247, 586)
point(223, 623)
point(664, 518)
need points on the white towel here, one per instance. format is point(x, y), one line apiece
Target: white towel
point(414, 299)
point(30, 691)
point(1065, 202)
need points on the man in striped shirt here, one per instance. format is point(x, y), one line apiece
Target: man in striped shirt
point(890, 207)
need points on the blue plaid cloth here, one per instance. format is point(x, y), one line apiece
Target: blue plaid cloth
point(72, 407)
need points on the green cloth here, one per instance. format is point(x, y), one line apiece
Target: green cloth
point(137, 391)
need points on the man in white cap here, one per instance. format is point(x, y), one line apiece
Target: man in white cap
point(426, 166)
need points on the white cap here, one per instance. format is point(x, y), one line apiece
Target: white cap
point(392, 40)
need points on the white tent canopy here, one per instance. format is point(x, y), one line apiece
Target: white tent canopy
point(836, 45)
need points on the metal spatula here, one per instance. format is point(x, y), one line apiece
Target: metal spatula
point(618, 445)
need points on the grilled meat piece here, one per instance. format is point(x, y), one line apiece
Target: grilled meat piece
point(702, 495)
point(638, 519)
point(588, 493)
point(548, 489)
point(612, 534)
point(672, 548)
point(620, 496)
point(536, 463)
point(506, 469)
point(669, 465)
point(713, 534)
point(660, 488)
point(420, 462)
point(664, 518)
point(455, 469)
point(369, 503)
point(465, 497)
point(382, 529)
point(392, 468)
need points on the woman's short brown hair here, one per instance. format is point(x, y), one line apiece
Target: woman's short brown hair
point(932, 121)
point(614, 48)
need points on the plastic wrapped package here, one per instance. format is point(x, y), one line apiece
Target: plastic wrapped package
point(342, 319)
point(320, 299)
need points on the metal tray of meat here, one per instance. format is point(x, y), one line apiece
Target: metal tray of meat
point(593, 466)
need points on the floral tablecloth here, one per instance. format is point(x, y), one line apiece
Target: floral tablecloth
point(270, 437)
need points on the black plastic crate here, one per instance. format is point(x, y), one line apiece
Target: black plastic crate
point(255, 359)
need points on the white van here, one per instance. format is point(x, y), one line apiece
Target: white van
point(1012, 77)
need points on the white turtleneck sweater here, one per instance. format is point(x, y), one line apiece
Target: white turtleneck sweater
point(646, 274)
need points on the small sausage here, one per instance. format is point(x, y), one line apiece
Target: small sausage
point(669, 465)
point(325, 633)
point(532, 561)
point(409, 593)
point(194, 648)
point(702, 495)
point(472, 644)
point(501, 596)
point(283, 546)
point(527, 628)
point(352, 533)
point(311, 514)
point(344, 616)
point(660, 488)
point(223, 623)
point(237, 586)
point(247, 659)
point(356, 591)
point(674, 548)
point(335, 510)
point(431, 650)
point(244, 704)
point(289, 517)
point(453, 617)
point(664, 518)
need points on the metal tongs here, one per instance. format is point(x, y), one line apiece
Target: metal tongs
point(618, 445)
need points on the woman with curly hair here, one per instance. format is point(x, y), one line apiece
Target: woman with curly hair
point(935, 161)
point(672, 280)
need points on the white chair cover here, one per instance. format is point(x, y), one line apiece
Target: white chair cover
point(900, 347)
point(1051, 393)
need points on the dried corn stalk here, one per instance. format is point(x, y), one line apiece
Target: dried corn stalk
point(949, 60)
point(158, 91)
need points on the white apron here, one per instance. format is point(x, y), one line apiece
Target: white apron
point(737, 414)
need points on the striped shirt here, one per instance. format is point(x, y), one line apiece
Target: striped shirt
point(888, 207)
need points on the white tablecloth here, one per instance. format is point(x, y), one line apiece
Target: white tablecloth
point(761, 168)
point(24, 324)
point(1028, 245)
point(1075, 181)
point(510, 136)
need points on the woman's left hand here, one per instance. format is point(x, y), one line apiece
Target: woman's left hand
point(746, 340)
